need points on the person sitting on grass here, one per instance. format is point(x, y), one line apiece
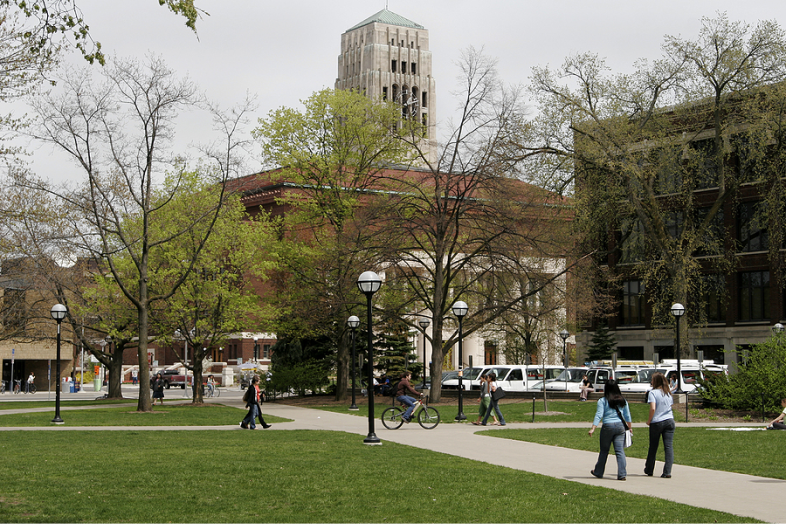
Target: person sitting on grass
point(403, 388)
point(778, 422)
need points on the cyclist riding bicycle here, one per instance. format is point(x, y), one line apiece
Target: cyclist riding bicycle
point(401, 394)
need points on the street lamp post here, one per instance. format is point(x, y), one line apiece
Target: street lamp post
point(256, 349)
point(58, 313)
point(564, 334)
point(353, 322)
point(424, 323)
point(369, 283)
point(460, 309)
point(678, 310)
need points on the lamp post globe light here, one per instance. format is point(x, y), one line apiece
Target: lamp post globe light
point(778, 329)
point(369, 283)
point(678, 310)
point(58, 313)
point(564, 334)
point(424, 323)
point(353, 322)
point(460, 309)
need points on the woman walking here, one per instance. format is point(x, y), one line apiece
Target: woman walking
point(158, 389)
point(485, 398)
point(494, 403)
point(614, 412)
point(661, 423)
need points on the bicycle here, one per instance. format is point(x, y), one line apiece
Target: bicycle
point(209, 392)
point(428, 417)
point(2, 386)
point(17, 387)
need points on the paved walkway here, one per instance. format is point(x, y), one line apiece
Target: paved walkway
point(757, 497)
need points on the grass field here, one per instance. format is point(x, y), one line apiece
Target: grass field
point(288, 476)
point(749, 452)
point(174, 415)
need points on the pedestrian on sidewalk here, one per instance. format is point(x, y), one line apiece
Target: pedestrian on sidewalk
point(30, 382)
point(778, 422)
point(614, 412)
point(158, 389)
point(494, 403)
point(252, 403)
point(661, 423)
point(484, 400)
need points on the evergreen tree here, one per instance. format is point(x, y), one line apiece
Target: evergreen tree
point(602, 345)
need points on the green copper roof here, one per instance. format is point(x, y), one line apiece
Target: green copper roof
point(387, 17)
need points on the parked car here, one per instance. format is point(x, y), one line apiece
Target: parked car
point(568, 380)
point(536, 376)
point(471, 377)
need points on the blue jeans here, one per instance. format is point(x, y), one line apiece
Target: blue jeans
point(495, 405)
point(410, 402)
point(665, 429)
point(613, 433)
point(251, 415)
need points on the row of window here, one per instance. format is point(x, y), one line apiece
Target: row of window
point(394, 67)
point(751, 231)
point(753, 298)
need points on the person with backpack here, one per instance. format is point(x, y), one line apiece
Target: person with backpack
point(253, 399)
point(614, 412)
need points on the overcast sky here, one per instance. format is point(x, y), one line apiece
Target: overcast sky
point(284, 51)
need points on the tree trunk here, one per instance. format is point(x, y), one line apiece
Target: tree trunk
point(115, 374)
point(196, 395)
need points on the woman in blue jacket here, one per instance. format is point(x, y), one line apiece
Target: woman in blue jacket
point(613, 411)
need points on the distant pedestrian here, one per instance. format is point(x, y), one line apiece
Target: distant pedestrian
point(778, 422)
point(661, 423)
point(253, 399)
point(492, 377)
point(134, 377)
point(614, 412)
point(30, 382)
point(484, 400)
point(158, 389)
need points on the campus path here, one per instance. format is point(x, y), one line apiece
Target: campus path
point(746, 495)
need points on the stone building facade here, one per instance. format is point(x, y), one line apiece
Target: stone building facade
point(387, 57)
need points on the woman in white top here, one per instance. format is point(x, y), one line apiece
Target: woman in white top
point(661, 423)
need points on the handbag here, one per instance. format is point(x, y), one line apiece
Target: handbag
point(628, 432)
point(498, 394)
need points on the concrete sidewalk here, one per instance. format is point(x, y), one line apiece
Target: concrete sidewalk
point(756, 497)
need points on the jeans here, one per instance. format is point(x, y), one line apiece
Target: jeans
point(495, 406)
point(612, 433)
point(665, 429)
point(410, 402)
point(253, 409)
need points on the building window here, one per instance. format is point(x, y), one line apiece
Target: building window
point(393, 65)
point(754, 295)
point(490, 353)
point(632, 303)
point(266, 351)
point(404, 67)
point(704, 163)
point(414, 68)
point(632, 237)
point(384, 93)
point(751, 232)
point(424, 95)
point(714, 297)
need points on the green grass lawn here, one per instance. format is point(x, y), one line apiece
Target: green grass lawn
point(174, 415)
point(30, 404)
point(749, 452)
point(288, 476)
point(559, 411)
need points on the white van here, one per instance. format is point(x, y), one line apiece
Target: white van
point(568, 380)
point(509, 377)
point(536, 377)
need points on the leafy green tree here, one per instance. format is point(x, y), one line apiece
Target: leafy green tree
point(51, 22)
point(637, 148)
point(219, 296)
point(117, 131)
point(334, 150)
point(760, 380)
